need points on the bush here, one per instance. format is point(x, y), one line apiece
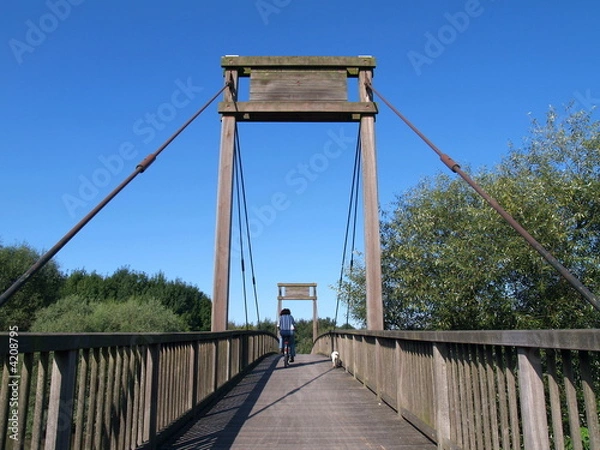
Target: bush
point(137, 314)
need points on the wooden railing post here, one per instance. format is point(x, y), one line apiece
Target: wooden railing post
point(400, 396)
point(440, 395)
point(193, 375)
point(151, 394)
point(378, 369)
point(533, 404)
point(216, 360)
point(229, 359)
point(60, 410)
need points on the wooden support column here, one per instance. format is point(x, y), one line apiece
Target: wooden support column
point(220, 300)
point(297, 89)
point(315, 320)
point(371, 210)
point(151, 395)
point(62, 391)
point(532, 399)
point(441, 396)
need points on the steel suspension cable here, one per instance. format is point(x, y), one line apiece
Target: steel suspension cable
point(140, 168)
point(237, 171)
point(247, 226)
point(355, 221)
point(454, 167)
point(352, 215)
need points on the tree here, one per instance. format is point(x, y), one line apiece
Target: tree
point(183, 299)
point(264, 325)
point(303, 334)
point(450, 262)
point(136, 314)
point(88, 285)
point(40, 291)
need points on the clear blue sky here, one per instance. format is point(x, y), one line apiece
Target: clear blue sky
point(80, 79)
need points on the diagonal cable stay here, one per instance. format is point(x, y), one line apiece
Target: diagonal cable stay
point(454, 167)
point(352, 219)
point(140, 168)
point(245, 229)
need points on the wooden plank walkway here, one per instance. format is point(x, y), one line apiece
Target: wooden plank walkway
point(309, 405)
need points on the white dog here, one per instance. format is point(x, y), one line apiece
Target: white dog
point(335, 359)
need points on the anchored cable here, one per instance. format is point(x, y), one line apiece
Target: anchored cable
point(140, 168)
point(237, 164)
point(244, 210)
point(352, 217)
point(355, 221)
point(454, 167)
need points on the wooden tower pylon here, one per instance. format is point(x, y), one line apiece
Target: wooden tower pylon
point(297, 89)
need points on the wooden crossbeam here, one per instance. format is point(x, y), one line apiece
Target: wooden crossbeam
point(245, 64)
point(298, 111)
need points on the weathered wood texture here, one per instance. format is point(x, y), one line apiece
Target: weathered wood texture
point(309, 405)
point(483, 390)
point(373, 283)
point(298, 85)
point(220, 299)
point(533, 403)
point(297, 291)
point(117, 391)
point(297, 88)
point(245, 64)
point(298, 111)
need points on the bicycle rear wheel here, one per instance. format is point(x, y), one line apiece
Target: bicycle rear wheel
point(286, 354)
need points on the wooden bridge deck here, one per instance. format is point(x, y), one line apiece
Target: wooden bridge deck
point(309, 405)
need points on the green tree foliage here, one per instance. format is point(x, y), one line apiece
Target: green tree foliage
point(304, 333)
point(263, 325)
point(450, 262)
point(40, 291)
point(136, 314)
point(183, 299)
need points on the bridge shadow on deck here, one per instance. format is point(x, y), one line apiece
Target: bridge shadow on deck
point(218, 427)
point(308, 405)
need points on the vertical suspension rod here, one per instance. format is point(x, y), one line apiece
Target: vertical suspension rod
point(454, 167)
point(140, 168)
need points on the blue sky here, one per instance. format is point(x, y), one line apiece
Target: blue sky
point(81, 79)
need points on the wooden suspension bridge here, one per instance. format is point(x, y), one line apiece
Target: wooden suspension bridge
point(227, 389)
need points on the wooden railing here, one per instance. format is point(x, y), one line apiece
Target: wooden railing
point(536, 390)
point(117, 391)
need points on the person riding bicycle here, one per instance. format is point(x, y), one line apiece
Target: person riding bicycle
point(286, 327)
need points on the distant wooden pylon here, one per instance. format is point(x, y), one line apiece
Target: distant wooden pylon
point(299, 291)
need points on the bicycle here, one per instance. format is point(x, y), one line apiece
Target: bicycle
point(286, 352)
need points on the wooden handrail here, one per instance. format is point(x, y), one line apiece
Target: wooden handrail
point(118, 391)
point(482, 389)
